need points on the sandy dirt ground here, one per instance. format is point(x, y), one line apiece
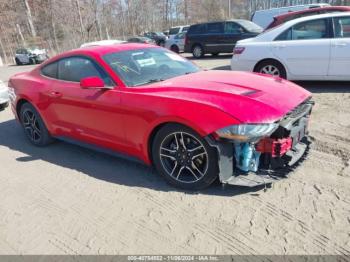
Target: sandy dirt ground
point(64, 199)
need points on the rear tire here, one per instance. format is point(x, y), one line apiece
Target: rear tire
point(197, 51)
point(271, 67)
point(33, 126)
point(183, 158)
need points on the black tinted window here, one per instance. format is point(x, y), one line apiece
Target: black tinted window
point(215, 28)
point(233, 28)
point(198, 29)
point(50, 70)
point(76, 68)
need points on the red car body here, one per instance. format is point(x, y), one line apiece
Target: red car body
point(125, 119)
point(278, 20)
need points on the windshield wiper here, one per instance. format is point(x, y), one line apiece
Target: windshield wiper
point(155, 80)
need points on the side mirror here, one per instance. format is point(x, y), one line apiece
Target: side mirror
point(92, 82)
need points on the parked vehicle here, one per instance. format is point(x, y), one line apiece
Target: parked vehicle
point(218, 37)
point(280, 19)
point(264, 18)
point(102, 43)
point(176, 43)
point(178, 29)
point(158, 37)
point(308, 48)
point(4, 96)
point(156, 106)
point(141, 39)
point(26, 56)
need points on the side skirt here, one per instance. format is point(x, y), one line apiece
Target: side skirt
point(99, 149)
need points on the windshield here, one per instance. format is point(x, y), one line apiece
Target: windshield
point(148, 65)
point(174, 30)
point(250, 26)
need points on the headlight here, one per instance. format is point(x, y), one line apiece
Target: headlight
point(246, 132)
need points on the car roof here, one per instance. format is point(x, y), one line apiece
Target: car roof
point(310, 10)
point(221, 21)
point(313, 17)
point(270, 34)
point(96, 51)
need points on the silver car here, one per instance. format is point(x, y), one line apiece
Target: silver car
point(176, 43)
point(4, 96)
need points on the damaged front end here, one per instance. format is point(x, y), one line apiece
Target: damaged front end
point(252, 155)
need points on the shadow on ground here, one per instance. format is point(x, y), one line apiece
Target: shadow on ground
point(99, 165)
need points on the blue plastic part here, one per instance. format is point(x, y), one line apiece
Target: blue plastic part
point(247, 158)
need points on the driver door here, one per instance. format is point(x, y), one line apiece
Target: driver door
point(92, 115)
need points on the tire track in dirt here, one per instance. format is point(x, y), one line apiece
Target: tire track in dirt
point(320, 240)
point(231, 242)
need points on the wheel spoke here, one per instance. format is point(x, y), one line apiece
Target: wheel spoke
point(32, 134)
point(165, 152)
point(195, 171)
point(179, 173)
point(26, 118)
point(183, 140)
point(37, 135)
point(176, 141)
point(197, 152)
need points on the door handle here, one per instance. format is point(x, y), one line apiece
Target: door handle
point(55, 94)
point(340, 44)
point(280, 46)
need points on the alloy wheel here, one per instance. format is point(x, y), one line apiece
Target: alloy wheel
point(183, 157)
point(31, 125)
point(197, 51)
point(270, 70)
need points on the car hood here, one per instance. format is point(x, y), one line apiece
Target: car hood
point(248, 97)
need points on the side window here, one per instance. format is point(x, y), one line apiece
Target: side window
point(215, 28)
point(285, 36)
point(50, 70)
point(315, 29)
point(341, 27)
point(180, 36)
point(76, 68)
point(233, 28)
point(198, 29)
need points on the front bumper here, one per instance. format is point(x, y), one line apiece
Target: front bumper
point(273, 166)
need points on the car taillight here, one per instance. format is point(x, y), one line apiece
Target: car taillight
point(238, 50)
point(186, 40)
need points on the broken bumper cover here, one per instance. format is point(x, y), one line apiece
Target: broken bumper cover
point(277, 154)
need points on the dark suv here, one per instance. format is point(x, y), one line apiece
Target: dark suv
point(218, 37)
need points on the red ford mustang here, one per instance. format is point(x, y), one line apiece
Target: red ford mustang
point(155, 106)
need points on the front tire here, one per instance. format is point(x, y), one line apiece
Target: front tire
point(33, 126)
point(271, 67)
point(183, 158)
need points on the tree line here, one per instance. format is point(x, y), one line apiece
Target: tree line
point(59, 25)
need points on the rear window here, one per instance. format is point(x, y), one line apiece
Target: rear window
point(50, 70)
point(174, 30)
point(250, 26)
